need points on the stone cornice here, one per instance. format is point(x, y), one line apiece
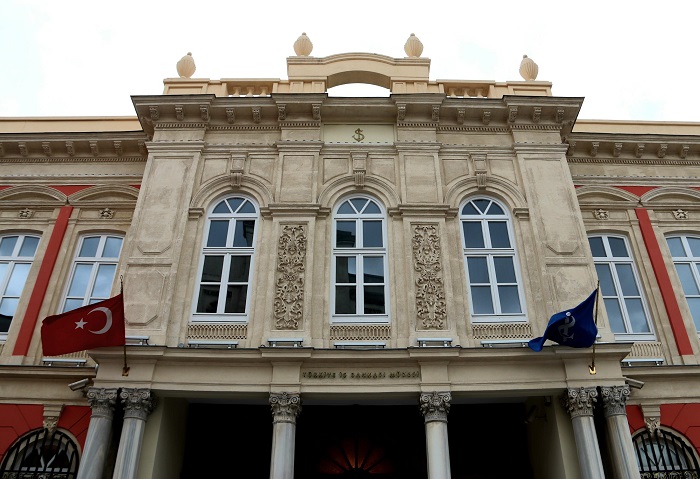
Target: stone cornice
point(73, 147)
point(294, 209)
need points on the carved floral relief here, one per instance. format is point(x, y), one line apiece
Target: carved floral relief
point(289, 283)
point(431, 308)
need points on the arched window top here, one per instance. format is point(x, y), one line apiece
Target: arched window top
point(483, 207)
point(18, 246)
point(664, 451)
point(235, 205)
point(41, 452)
point(357, 206)
point(609, 246)
point(684, 246)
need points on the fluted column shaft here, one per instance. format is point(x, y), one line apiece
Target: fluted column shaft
point(138, 404)
point(579, 404)
point(102, 403)
point(285, 409)
point(620, 439)
point(435, 406)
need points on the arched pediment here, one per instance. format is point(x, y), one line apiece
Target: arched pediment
point(495, 187)
point(221, 185)
point(373, 186)
point(32, 195)
point(105, 194)
point(596, 195)
point(671, 195)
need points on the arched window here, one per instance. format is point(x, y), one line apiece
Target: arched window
point(223, 281)
point(685, 251)
point(42, 454)
point(16, 256)
point(493, 275)
point(94, 267)
point(664, 452)
point(359, 269)
point(619, 286)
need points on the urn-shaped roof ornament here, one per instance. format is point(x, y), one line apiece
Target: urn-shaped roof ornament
point(413, 46)
point(186, 66)
point(303, 46)
point(528, 69)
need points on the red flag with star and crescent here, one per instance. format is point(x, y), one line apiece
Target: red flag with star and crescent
point(94, 326)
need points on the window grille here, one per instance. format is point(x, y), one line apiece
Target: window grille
point(664, 455)
point(41, 455)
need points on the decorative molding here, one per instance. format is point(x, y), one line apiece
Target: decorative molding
point(94, 149)
point(480, 169)
point(435, 406)
point(23, 148)
point(633, 161)
point(652, 417)
point(46, 146)
point(137, 403)
point(285, 407)
point(614, 399)
point(142, 148)
point(154, 112)
point(684, 151)
point(601, 214)
point(102, 401)
point(460, 115)
point(316, 111)
point(594, 148)
point(486, 117)
point(230, 115)
point(217, 331)
point(179, 112)
point(559, 115)
point(204, 113)
point(481, 129)
point(661, 152)
point(289, 292)
point(359, 168)
point(436, 113)
point(360, 332)
point(431, 307)
point(106, 214)
point(502, 331)
point(680, 214)
point(281, 112)
point(237, 168)
point(50, 423)
point(652, 424)
point(257, 115)
point(536, 114)
point(617, 149)
point(400, 111)
point(571, 148)
point(52, 412)
point(512, 114)
point(579, 401)
point(639, 150)
point(25, 214)
point(118, 148)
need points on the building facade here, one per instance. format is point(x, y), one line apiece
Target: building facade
point(370, 269)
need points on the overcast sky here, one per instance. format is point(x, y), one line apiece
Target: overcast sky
point(630, 60)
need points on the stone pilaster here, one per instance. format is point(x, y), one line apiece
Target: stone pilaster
point(138, 404)
point(579, 403)
point(435, 407)
point(619, 438)
point(285, 409)
point(101, 401)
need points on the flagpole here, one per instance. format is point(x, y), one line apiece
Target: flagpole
point(125, 369)
point(591, 368)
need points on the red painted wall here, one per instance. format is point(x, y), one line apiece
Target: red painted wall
point(684, 418)
point(76, 420)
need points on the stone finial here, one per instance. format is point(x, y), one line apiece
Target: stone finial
point(413, 46)
point(528, 69)
point(303, 46)
point(186, 66)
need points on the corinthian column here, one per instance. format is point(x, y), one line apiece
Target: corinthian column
point(102, 403)
point(285, 409)
point(435, 406)
point(579, 404)
point(138, 404)
point(620, 440)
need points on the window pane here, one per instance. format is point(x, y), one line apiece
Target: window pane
point(505, 271)
point(72, 304)
point(29, 246)
point(17, 279)
point(617, 247)
point(478, 269)
point(8, 306)
point(372, 234)
point(482, 204)
point(345, 234)
point(374, 300)
point(345, 300)
point(694, 305)
point(247, 208)
point(235, 298)
point(346, 209)
point(7, 245)
point(3, 271)
point(597, 247)
point(358, 203)
point(208, 298)
point(211, 271)
point(243, 236)
point(221, 208)
point(234, 203)
point(81, 276)
point(469, 209)
point(481, 300)
point(687, 280)
point(676, 247)
point(627, 281)
point(113, 246)
point(495, 210)
point(372, 209)
point(373, 270)
point(499, 234)
point(240, 269)
point(473, 236)
point(638, 319)
point(218, 230)
point(104, 280)
point(345, 269)
point(89, 247)
point(614, 315)
point(606, 282)
point(510, 300)
point(694, 244)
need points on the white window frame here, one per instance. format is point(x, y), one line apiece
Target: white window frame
point(359, 252)
point(227, 252)
point(490, 253)
point(95, 262)
point(611, 261)
point(694, 262)
point(12, 261)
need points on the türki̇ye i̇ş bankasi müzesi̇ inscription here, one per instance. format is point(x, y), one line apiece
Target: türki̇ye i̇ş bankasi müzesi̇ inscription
point(360, 374)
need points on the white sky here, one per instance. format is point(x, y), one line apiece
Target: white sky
point(630, 59)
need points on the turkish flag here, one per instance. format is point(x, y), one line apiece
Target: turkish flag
point(93, 326)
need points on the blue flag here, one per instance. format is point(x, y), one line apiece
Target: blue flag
point(573, 327)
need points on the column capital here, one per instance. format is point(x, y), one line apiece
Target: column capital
point(138, 403)
point(102, 401)
point(435, 405)
point(579, 401)
point(614, 400)
point(285, 407)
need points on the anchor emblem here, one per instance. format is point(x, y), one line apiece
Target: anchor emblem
point(358, 136)
point(569, 322)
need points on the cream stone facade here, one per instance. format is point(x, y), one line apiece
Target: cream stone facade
point(351, 263)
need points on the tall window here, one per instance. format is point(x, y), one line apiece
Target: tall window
point(664, 452)
point(359, 262)
point(16, 255)
point(619, 287)
point(490, 260)
point(223, 290)
point(93, 271)
point(41, 454)
point(685, 251)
